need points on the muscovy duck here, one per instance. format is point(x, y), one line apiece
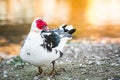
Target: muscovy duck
point(40, 45)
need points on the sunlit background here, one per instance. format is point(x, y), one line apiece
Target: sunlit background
point(98, 20)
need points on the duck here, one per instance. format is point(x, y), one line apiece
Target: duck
point(42, 46)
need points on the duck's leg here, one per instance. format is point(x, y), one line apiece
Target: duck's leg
point(40, 71)
point(53, 72)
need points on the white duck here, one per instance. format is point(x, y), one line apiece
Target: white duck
point(36, 49)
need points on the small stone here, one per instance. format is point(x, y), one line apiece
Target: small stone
point(114, 64)
point(98, 62)
point(36, 78)
point(5, 74)
point(80, 65)
point(48, 78)
point(16, 75)
point(9, 61)
point(110, 79)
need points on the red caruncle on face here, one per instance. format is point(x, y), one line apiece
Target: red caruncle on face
point(40, 24)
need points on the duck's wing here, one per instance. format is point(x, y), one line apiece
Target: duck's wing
point(51, 38)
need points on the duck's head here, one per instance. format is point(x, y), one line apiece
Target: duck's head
point(39, 25)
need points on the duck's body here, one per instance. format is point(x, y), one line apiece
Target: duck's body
point(33, 53)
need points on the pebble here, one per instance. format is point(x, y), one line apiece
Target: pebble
point(36, 78)
point(5, 74)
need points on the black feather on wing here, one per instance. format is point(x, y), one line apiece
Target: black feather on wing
point(71, 31)
point(51, 39)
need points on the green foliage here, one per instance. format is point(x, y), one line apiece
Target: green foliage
point(18, 62)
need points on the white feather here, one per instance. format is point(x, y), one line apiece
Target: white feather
point(69, 27)
point(62, 43)
point(38, 55)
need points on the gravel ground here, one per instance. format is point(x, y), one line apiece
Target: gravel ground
point(81, 61)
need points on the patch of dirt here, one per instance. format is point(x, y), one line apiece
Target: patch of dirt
point(81, 61)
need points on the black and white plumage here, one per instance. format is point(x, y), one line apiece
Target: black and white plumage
point(42, 47)
point(57, 38)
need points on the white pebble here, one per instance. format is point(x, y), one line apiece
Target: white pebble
point(36, 78)
point(48, 78)
point(5, 74)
